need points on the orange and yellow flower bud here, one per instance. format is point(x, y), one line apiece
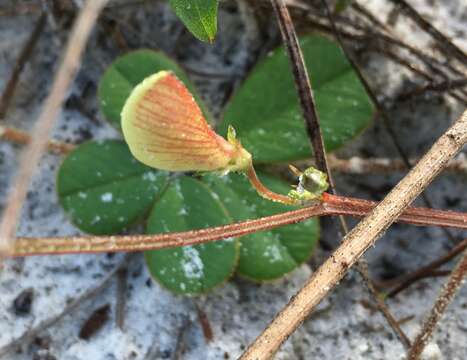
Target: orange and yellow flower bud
point(165, 129)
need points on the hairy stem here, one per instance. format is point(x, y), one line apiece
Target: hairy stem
point(263, 191)
point(330, 205)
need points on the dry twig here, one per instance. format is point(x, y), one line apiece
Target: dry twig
point(446, 296)
point(23, 138)
point(23, 57)
point(426, 270)
point(443, 40)
point(378, 42)
point(121, 295)
point(356, 165)
point(302, 80)
point(358, 241)
point(380, 108)
point(361, 265)
point(46, 120)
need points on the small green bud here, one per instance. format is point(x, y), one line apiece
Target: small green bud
point(311, 185)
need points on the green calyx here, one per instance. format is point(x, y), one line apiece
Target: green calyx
point(311, 185)
point(242, 160)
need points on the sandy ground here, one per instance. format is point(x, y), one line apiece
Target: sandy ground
point(157, 321)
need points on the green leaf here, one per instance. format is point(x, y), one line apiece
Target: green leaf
point(270, 254)
point(199, 16)
point(266, 113)
point(186, 205)
point(341, 5)
point(128, 71)
point(104, 189)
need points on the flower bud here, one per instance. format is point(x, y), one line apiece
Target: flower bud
point(165, 129)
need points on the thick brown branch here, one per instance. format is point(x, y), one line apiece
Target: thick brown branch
point(358, 241)
point(361, 265)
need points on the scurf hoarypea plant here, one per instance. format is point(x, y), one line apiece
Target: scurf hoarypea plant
point(165, 129)
point(105, 190)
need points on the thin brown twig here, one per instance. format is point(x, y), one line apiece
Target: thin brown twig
point(357, 241)
point(442, 40)
point(393, 56)
point(381, 111)
point(30, 157)
point(433, 63)
point(121, 295)
point(366, 35)
point(69, 307)
point(204, 322)
point(363, 11)
point(430, 273)
point(305, 93)
point(407, 280)
point(446, 296)
point(439, 86)
point(392, 133)
point(23, 138)
point(357, 165)
point(20, 9)
point(383, 308)
point(24, 56)
point(330, 205)
point(303, 84)
point(381, 49)
point(361, 265)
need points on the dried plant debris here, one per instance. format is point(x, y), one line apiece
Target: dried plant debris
point(95, 322)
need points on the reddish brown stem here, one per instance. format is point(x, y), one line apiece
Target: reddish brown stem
point(263, 190)
point(331, 205)
point(418, 216)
